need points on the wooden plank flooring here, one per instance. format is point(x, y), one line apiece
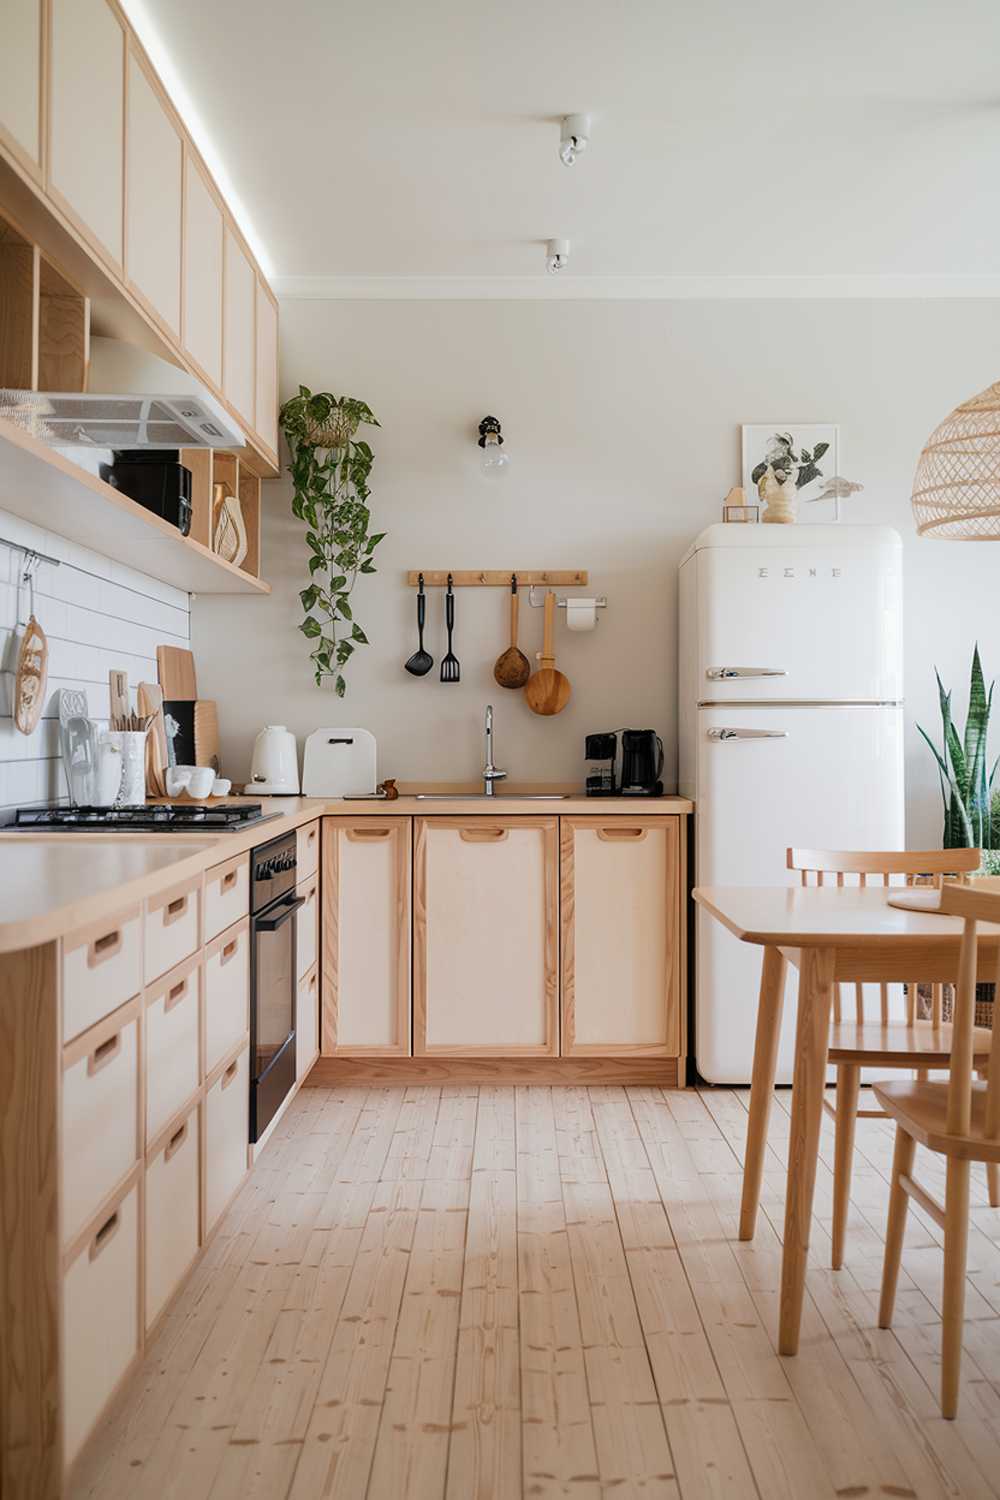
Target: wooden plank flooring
point(484, 1292)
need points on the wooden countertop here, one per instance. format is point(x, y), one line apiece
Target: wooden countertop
point(52, 883)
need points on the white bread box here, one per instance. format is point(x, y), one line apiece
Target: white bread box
point(339, 763)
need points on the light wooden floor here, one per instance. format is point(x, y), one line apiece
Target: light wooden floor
point(466, 1292)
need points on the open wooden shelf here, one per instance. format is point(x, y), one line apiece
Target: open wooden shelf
point(46, 488)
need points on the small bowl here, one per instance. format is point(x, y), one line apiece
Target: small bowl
point(200, 782)
point(178, 779)
point(223, 786)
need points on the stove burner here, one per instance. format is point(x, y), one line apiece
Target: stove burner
point(156, 818)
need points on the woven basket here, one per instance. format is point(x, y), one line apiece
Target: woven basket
point(956, 489)
point(335, 432)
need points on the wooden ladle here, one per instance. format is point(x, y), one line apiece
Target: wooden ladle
point(548, 691)
point(512, 668)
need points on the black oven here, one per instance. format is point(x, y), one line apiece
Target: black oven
point(273, 905)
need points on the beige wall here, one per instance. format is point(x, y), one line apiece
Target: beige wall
point(622, 422)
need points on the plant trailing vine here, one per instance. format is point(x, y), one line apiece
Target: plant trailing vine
point(330, 468)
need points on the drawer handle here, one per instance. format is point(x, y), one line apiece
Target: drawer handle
point(175, 909)
point(228, 881)
point(175, 996)
point(622, 835)
point(176, 1141)
point(229, 1076)
point(311, 836)
point(229, 951)
point(104, 948)
point(105, 1053)
point(102, 1239)
point(483, 835)
point(368, 833)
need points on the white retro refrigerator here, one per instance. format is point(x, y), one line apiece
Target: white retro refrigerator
point(791, 733)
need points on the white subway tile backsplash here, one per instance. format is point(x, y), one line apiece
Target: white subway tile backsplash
point(98, 615)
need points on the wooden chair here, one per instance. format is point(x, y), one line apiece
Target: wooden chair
point(960, 1119)
point(883, 1043)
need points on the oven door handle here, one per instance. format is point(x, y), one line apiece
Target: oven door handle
point(288, 909)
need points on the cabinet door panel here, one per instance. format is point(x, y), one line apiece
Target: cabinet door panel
point(366, 936)
point(153, 171)
point(621, 936)
point(87, 114)
point(238, 340)
point(267, 369)
point(485, 938)
point(21, 79)
point(203, 231)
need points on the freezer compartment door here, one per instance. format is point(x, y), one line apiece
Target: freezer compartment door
point(770, 778)
point(800, 623)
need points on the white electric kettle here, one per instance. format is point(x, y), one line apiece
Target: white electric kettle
point(274, 768)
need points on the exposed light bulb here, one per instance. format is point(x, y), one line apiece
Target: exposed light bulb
point(495, 461)
point(556, 256)
point(574, 137)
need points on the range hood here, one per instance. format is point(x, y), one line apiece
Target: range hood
point(134, 400)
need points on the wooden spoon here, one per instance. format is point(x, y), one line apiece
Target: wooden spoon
point(548, 692)
point(512, 668)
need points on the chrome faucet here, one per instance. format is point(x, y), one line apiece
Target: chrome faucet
point(490, 772)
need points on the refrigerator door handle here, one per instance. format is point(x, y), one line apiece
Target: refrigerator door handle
point(729, 674)
point(748, 734)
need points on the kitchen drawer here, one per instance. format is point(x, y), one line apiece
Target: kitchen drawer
point(101, 969)
point(307, 927)
point(227, 895)
point(173, 1064)
point(306, 851)
point(100, 1316)
point(100, 1114)
point(172, 1209)
point(172, 927)
point(307, 1023)
point(227, 992)
point(227, 1134)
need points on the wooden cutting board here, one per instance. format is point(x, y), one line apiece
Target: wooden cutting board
point(149, 700)
point(175, 668)
point(206, 734)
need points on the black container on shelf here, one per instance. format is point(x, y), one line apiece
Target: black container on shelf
point(601, 751)
point(156, 480)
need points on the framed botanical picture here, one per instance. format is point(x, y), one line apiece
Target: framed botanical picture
point(800, 457)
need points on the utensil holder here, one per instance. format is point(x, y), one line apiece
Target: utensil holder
point(131, 745)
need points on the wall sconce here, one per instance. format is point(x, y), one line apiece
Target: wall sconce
point(494, 461)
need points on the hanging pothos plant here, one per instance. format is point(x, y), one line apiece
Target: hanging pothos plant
point(330, 469)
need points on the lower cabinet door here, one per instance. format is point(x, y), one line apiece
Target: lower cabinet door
point(100, 1317)
point(366, 937)
point(173, 1175)
point(307, 1023)
point(227, 1136)
point(485, 936)
point(622, 936)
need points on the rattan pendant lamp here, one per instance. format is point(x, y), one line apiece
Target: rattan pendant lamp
point(956, 489)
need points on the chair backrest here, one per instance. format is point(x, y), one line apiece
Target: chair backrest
point(929, 866)
point(973, 906)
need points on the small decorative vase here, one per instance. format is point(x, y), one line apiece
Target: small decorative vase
point(781, 499)
point(130, 746)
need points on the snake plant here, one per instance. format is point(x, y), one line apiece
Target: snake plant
point(966, 786)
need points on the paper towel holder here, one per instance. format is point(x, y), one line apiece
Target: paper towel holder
point(601, 603)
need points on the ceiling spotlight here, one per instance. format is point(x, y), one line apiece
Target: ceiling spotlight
point(556, 255)
point(574, 138)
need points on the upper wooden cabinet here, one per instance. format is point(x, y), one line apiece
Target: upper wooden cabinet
point(204, 226)
point(86, 124)
point(238, 329)
point(21, 80)
point(622, 933)
point(153, 193)
point(87, 120)
point(267, 367)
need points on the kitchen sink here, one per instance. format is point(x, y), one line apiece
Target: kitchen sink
point(497, 797)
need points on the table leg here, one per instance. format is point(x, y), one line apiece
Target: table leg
point(812, 1038)
point(765, 1057)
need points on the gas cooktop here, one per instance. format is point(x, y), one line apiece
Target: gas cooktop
point(171, 817)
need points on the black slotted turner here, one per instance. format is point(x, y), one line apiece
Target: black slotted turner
point(451, 671)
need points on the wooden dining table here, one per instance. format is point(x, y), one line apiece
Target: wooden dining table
point(832, 935)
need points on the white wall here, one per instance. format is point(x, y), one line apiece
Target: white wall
point(622, 420)
point(98, 615)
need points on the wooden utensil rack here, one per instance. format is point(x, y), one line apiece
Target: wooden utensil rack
point(495, 578)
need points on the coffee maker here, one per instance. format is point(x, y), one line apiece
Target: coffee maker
point(624, 763)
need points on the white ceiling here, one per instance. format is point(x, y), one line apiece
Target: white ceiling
point(782, 139)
